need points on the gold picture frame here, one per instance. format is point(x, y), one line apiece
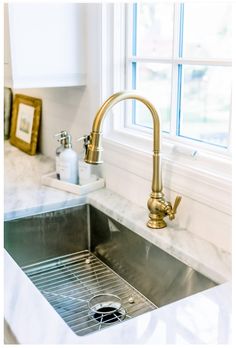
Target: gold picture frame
point(26, 115)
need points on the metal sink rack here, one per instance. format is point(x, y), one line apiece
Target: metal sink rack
point(70, 281)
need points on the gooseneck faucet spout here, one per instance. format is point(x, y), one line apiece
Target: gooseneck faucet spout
point(157, 205)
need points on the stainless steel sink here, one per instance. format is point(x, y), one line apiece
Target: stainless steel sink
point(80, 259)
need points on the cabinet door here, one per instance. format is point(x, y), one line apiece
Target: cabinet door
point(7, 55)
point(47, 44)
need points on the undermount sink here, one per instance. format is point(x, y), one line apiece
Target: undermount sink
point(95, 272)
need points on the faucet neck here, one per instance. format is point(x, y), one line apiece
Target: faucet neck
point(157, 205)
point(124, 95)
point(98, 123)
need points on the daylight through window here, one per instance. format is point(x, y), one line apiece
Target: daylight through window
point(180, 54)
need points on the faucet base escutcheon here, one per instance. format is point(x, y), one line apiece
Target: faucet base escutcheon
point(158, 208)
point(156, 221)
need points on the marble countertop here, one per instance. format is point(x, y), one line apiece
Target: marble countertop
point(23, 192)
point(201, 318)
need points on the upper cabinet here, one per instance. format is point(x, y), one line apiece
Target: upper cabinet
point(7, 58)
point(46, 44)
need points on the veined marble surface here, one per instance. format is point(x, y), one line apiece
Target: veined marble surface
point(201, 318)
point(23, 192)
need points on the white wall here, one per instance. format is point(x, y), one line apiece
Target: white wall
point(205, 209)
point(193, 215)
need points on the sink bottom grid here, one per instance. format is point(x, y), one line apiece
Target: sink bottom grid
point(70, 283)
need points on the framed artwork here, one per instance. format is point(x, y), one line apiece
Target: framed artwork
point(26, 114)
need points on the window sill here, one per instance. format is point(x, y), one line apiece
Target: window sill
point(204, 177)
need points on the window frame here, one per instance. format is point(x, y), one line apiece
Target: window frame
point(181, 154)
point(177, 62)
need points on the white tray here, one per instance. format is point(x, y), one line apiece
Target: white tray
point(51, 180)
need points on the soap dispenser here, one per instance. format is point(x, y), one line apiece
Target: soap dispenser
point(84, 169)
point(68, 162)
point(59, 149)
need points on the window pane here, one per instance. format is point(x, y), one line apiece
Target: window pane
point(154, 29)
point(207, 30)
point(205, 103)
point(154, 79)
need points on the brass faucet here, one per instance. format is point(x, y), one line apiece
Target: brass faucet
point(157, 205)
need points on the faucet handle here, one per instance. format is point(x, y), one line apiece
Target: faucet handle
point(172, 212)
point(176, 204)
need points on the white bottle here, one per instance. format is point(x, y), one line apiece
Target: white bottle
point(68, 163)
point(85, 176)
point(59, 149)
point(84, 169)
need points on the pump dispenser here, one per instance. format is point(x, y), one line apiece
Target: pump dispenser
point(61, 139)
point(84, 169)
point(68, 162)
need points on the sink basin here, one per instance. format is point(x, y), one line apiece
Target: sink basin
point(94, 271)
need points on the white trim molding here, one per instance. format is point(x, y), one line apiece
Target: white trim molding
point(56, 80)
point(200, 185)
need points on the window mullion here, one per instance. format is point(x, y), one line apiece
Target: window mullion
point(174, 75)
point(188, 61)
point(229, 148)
point(128, 62)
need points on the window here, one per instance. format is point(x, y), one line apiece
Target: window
point(180, 55)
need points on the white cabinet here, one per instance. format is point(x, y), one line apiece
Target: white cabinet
point(47, 44)
point(7, 56)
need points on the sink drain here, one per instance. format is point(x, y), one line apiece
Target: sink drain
point(106, 308)
point(104, 315)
